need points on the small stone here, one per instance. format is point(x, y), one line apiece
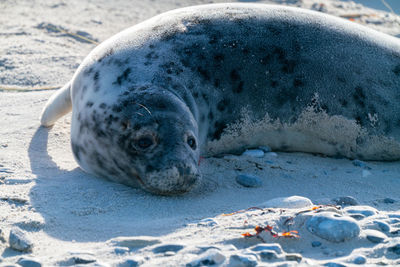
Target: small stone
point(383, 226)
point(389, 200)
point(207, 222)
point(82, 259)
point(242, 261)
point(333, 227)
point(121, 250)
point(248, 180)
point(256, 153)
point(292, 202)
point(29, 262)
point(361, 164)
point(334, 264)
point(129, 262)
point(375, 236)
point(346, 201)
point(395, 249)
point(210, 257)
point(267, 247)
point(19, 241)
point(363, 210)
point(293, 257)
point(316, 244)
point(394, 216)
point(356, 216)
point(268, 255)
point(134, 242)
point(266, 149)
point(360, 260)
point(167, 247)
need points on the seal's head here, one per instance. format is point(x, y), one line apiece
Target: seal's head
point(159, 138)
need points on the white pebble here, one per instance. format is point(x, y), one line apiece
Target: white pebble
point(292, 202)
point(256, 153)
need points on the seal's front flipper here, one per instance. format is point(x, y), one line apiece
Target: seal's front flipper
point(57, 106)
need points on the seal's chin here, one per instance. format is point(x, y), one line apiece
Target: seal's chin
point(173, 181)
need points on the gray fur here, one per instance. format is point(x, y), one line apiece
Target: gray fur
point(193, 71)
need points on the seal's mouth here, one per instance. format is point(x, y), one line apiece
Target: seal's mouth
point(173, 181)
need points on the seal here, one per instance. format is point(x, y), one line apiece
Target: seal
point(220, 78)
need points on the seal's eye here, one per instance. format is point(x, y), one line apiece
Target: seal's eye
point(144, 142)
point(191, 142)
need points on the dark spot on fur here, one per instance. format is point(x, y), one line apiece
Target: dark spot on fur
point(107, 54)
point(341, 79)
point(203, 73)
point(280, 53)
point(288, 66)
point(343, 102)
point(217, 83)
point(210, 116)
point(238, 89)
point(137, 127)
point(297, 82)
point(274, 83)
point(103, 105)
point(245, 50)
point(96, 76)
point(359, 96)
point(219, 128)
point(396, 70)
point(196, 95)
point(202, 118)
point(123, 77)
point(116, 109)
point(89, 104)
point(150, 168)
point(205, 97)
point(325, 107)
point(221, 106)
point(219, 58)
point(234, 75)
point(358, 120)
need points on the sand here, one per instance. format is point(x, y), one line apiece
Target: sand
point(72, 217)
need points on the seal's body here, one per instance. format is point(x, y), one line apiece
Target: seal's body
point(220, 78)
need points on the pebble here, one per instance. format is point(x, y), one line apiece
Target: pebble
point(394, 216)
point(334, 264)
point(375, 236)
point(389, 200)
point(81, 259)
point(29, 262)
point(360, 260)
point(267, 247)
point(242, 261)
point(121, 250)
point(256, 153)
point(210, 257)
point(292, 202)
point(316, 244)
point(266, 149)
point(134, 242)
point(333, 227)
point(129, 262)
point(395, 249)
point(19, 241)
point(248, 180)
point(363, 210)
point(268, 255)
point(293, 257)
point(167, 247)
point(346, 201)
point(207, 222)
point(361, 164)
point(382, 225)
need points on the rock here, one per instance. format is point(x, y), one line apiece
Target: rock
point(242, 261)
point(388, 200)
point(375, 236)
point(361, 164)
point(210, 257)
point(363, 210)
point(356, 216)
point(80, 258)
point(383, 226)
point(248, 180)
point(395, 249)
point(256, 153)
point(268, 255)
point(19, 241)
point(134, 242)
point(266, 149)
point(167, 247)
point(293, 257)
point(121, 250)
point(315, 244)
point(29, 262)
point(333, 227)
point(346, 201)
point(267, 247)
point(292, 202)
point(394, 216)
point(360, 260)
